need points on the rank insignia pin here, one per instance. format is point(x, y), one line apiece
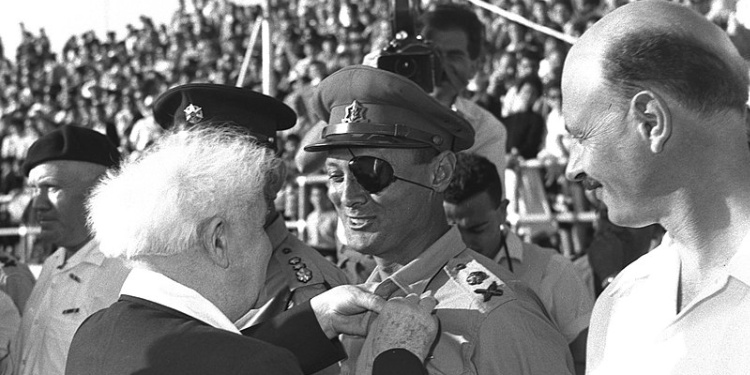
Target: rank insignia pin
point(193, 114)
point(492, 290)
point(304, 275)
point(476, 278)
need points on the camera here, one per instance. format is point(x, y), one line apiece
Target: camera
point(407, 54)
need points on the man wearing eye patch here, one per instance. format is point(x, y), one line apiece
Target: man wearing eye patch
point(390, 155)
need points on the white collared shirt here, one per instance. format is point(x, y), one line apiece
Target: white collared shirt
point(155, 287)
point(635, 328)
point(490, 134)
point(67, 292)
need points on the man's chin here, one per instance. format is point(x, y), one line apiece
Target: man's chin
point(444, 92)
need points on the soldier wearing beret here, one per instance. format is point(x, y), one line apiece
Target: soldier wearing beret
point(76, 280)
point(390, 155)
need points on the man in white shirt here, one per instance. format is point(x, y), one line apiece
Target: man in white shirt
point(458, 35)
point(76, 280)
point(655, 101)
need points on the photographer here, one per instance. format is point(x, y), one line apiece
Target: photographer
point(457, 34)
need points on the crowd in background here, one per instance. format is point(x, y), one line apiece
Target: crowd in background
point(108, 82)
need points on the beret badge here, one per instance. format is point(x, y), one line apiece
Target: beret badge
point(355, 113)
point(193, 114)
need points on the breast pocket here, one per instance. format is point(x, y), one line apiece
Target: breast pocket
point(451, 356)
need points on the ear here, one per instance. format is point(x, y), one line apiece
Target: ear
point(276, 177)
point(476, 66)
point(213, 237)
point(444, 164)
point(653, 119)
point(502, 209)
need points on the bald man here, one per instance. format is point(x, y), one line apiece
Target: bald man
point(654, 96)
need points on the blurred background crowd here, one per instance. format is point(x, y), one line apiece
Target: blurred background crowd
point(108, 83)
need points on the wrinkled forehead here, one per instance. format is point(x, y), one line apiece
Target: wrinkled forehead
point(66, 170)
point(583, 83)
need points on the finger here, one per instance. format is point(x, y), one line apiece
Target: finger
point(428, 303)
point(367, 287)
point(370, 319)
point(367, 300)
point(412, 298)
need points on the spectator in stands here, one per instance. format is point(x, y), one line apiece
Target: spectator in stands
point(658, 115)
point(146, 130)
point(474, 203)
point(560, 13)
point(320, 224)
point(76, 280)
point(525, 126)
point(556, 139)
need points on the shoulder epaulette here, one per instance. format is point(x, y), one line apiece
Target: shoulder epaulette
point(485, 287)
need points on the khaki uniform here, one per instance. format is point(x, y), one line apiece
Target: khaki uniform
point(490, 323)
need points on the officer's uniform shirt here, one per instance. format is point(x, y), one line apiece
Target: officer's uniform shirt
point(555, 280)
point(66, 293)
point(487, 325)
point(296, 273)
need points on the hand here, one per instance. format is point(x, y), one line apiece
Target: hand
point(405, 323)
point(345, 309)
point(455, 79)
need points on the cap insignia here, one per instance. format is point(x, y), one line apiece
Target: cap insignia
point(355, 112)
point(193, 114)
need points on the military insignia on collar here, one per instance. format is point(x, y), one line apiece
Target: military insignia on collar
point(355, 112)
point(193, 114)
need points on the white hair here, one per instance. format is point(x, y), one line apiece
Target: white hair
point(157, 204)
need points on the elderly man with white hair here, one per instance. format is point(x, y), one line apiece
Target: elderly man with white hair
point(189, 217)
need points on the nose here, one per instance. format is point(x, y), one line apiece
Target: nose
point(574, 171)
point(348, 193)
point(39, 199)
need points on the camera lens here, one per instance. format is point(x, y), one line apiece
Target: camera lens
point(406, 67)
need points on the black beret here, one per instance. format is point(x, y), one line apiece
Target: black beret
point(194, 103)
point(72, 143)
